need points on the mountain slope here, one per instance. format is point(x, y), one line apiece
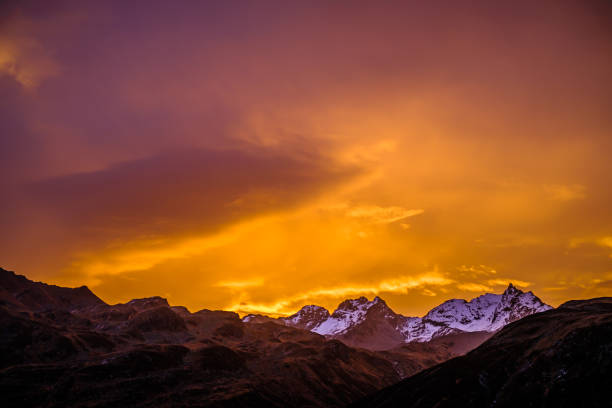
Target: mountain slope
point(559, 358)
point(20, 292)
point(363, 323)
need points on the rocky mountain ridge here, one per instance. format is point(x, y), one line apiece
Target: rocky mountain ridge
point(372, 324)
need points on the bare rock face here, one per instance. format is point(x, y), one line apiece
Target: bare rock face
point(160, 318)
point(148, 303)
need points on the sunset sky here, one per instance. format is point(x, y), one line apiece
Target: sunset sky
point(259, 156)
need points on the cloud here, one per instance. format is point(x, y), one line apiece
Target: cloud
point(187, 190)
point(177, 204)
point(477, 270)
point(424, 283)
point(395, 285)
point(23, 57)
point(474, 287)
point(604, 284)
point(603, 242)
point(382, 215)
point(241, 284)
point(506, 281)
point(142, 254)
point(561, 192)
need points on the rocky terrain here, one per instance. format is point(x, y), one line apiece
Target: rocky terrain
point(559, 358)
point(63, 347)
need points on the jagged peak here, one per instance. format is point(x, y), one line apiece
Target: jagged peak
point(512, 290)
point(351, 304)
point(310, 308)
point(379, 304)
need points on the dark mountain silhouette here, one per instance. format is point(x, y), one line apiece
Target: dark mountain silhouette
point(20, 292)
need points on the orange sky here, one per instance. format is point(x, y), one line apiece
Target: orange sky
point(258, 157)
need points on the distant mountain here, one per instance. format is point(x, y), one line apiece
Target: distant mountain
point(488, 312)
point(308, 318)
point(559, 358)
point(373, 325)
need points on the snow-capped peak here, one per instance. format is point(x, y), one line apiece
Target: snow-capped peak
point(348, 314)
point(488, 312)
point(511, 290)
point(362, 317)
point(514, 304)
point(308, 317)
point(463, 315)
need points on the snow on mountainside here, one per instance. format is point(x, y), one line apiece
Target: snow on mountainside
point(488, 312)
point(363, 321)
point(514, 305)
point(349, 313)
point(307, 317)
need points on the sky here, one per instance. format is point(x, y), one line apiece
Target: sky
point(260, 156)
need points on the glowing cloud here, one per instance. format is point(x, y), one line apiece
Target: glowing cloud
point(382, 215)
point(396, 285)
point(25, 60)
point(240, 284)
point(561, 192)
point(474, 287)
point(506, 281)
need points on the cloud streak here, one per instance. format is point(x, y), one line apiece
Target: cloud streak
point(395, 285)
point(382, 215)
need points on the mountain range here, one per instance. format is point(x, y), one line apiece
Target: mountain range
point(373, 325)
point(65, 347)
